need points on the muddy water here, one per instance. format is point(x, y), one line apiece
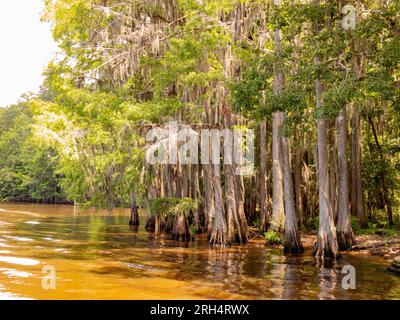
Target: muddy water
point(95, 255)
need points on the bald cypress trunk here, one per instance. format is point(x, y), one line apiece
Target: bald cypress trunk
point(333, 172)
point(292, 242)
point(327, 243)
point(219, 234)
point(357, 196)
point(297, 176)
point(234, 193)
point(264, 214)
point(230, 192)
point(134, 220)
point(209, 196)
point(344, 230)
point(240, 193)
point(181, 230)
point(197, 196)
point(278, 211)
point(209, 205)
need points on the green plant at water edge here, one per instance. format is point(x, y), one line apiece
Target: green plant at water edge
point(375, 227)
point(273, 238)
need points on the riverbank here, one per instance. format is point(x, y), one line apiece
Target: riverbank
point(371, 244)
point(375, 245)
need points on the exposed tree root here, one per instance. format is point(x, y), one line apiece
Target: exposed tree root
point(181, 230)
point(326, 247)
point(345, 240)
point(292, 243)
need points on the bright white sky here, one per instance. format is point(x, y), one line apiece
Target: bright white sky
point(26, 46)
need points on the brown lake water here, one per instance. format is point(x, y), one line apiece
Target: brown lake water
point(96, 255)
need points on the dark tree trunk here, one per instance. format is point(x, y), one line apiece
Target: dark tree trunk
point(134, 220)
point(382, 174)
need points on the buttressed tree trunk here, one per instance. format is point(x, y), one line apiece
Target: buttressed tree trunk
point(292, 235)
point(219, 234)
point(344, 230)
point(327, 242)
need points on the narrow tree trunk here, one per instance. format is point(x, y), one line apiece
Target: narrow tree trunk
point(382, 175)
point(197, 196)
point(209, 195)
point(333, 172)
point(181, 230)
point(357, 196)
point(298, 178)
point(278, 211)
point(264, 215)
point(134, 220)
point(185, 173)
point(242, 227)
point(230, 203)
point(209, 204)
point(344, 230)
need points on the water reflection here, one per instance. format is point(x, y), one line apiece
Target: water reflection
point(98, 255)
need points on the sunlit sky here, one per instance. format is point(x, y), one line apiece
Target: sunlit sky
point(26, 48)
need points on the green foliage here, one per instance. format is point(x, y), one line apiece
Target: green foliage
point(84, 133)
point(172, 206)
point(377, 226)
point(96, 138)
point(27, 168)
point(273, 238)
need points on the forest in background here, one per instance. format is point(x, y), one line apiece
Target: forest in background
point(323, 101)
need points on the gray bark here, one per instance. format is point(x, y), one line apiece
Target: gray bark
point(344, 230)
point(292, 235)
point(264, 214)
point(327, 243)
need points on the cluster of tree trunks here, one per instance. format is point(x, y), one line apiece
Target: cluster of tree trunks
point(299, 193)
